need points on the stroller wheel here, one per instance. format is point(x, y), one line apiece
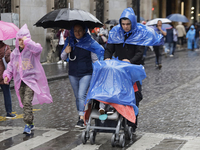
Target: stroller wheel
point(130, 130)
point(122, 140)
point(92, 137)
point(113, 141)
point(83, 137)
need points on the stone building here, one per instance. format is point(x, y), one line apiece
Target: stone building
point(30, 11)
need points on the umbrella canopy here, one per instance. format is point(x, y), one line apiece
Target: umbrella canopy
point(7, 30)
point(112, 21)
point(165, 26)
point(66, 18)
point(154, 21)
point(177, 18)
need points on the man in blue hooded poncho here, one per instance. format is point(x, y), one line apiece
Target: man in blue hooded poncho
point(127, 40)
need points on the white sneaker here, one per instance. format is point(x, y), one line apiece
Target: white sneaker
point(59, 62)
point(171, 55)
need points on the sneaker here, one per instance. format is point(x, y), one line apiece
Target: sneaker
point(171, 55)
point(10, 115)
point(28, 128)
point(80, 124)
point(110, 111)
point(101, 111)
point(159, 66)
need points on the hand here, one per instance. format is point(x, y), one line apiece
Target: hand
point(6, 80)
point(126, 60)
point(107, 59)
point(68, 49)
point(24, 38)
point(159, 27)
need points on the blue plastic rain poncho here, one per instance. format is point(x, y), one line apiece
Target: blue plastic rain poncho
point(112, 81)
point(141, 34)
point(191, 37)
point(86, 42)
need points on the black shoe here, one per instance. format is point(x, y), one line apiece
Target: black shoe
point(110, 111)
point(10, 115)
point(80, 124)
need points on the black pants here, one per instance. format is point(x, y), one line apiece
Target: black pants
point(59, 48)
point(158, 53)
point(180, 39)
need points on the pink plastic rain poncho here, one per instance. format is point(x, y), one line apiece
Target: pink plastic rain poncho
point(26, 67)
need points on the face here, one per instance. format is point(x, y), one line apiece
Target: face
point(159, 23)
point(126, 25)
point(78, 31)
point(21, 43)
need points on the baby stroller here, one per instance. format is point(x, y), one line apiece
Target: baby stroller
point(112, 83)
point(113, 124)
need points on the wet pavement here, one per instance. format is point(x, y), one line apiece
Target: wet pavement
point(168, 112)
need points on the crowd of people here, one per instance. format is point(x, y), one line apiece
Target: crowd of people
point(82, 47)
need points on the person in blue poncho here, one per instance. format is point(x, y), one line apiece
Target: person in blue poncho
point(190, 36)
point(127, 40)
point(81, 50)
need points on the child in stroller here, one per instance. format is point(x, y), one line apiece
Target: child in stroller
point(112, 83)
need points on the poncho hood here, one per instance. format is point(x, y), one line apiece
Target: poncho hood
point(140, 34)
point(21, 33)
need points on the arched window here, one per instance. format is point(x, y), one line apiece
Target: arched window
point(60, 4)
point(100, 10)
point(5, 6)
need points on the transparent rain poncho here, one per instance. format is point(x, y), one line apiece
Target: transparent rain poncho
point(26, 67)
point(112, 81)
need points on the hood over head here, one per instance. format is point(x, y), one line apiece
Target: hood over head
point(192, 27)
point(21, 33)
point(129, 13)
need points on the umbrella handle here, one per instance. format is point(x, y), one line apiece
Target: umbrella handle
point(70, 58)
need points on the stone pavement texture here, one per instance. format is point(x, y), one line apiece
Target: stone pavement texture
point(169, 111)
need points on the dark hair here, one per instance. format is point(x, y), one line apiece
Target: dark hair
point(157, 22)
point(80, 24)
point(124, 18)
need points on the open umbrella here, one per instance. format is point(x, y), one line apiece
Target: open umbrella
point(165, 26)
point(154, 21)
point(112, 21)
point(7, 30)
point(177, 18)
point(66, 18)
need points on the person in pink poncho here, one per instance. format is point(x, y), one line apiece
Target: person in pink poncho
point(30, 81)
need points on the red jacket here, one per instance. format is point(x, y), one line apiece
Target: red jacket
point(7, 57)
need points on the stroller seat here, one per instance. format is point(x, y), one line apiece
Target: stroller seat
point(95, 115)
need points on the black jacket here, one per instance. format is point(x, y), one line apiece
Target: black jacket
point(133, 53)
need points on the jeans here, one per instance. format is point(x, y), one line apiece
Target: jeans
point(169, 46)
point(145, 51)
point(7, 97)
point(158, 52)
point(80, 87)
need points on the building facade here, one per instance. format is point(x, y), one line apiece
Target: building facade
point(30, 11)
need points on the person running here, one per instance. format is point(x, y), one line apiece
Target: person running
point(5, 52)
point(30, 82)
point(82, 50)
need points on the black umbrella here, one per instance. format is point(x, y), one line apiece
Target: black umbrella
point(66, 18)
point(113, 21)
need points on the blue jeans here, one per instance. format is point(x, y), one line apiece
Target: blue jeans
point(197, 42)
point(169, 46)
point(80, 87)
point(7, 97)
point(145, 51)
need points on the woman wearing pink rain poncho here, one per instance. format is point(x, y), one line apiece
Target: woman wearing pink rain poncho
point(30, 81)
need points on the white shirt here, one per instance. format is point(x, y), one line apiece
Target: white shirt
point(62, 41)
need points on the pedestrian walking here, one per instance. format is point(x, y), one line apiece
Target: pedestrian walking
point(30, 82)
point(190, 36)
point(103, 36)
point(158, 49)
point(169, 44)
point(124, 44)
point(181, 33)
point(82, 50)
point(175, 39)
point(197, 35)
point(5, 52)
point(62, 35)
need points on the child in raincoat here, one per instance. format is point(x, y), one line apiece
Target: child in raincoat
point(30, 82)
